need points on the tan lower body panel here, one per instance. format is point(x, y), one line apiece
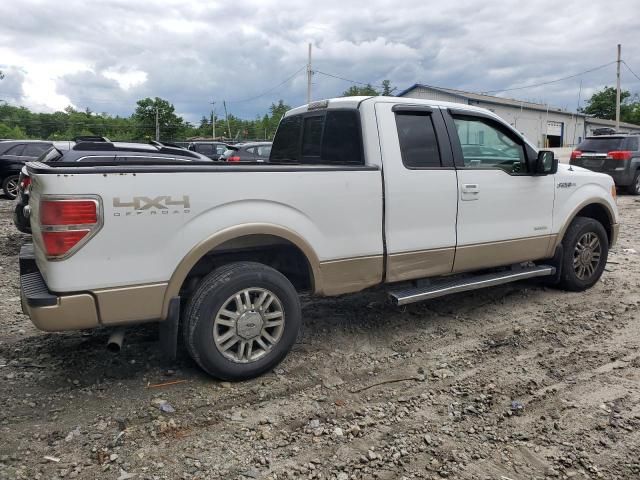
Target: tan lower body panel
point(615, 230)
point(72, 312)
point(420, 264)
point(350, 275)
point(133, 304)
point(495, 254)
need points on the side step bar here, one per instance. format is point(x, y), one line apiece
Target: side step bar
point(445, 287)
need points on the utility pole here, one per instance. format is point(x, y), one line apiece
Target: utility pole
point(224, 103)
point(157, 126)
point(309, 74)
point(618, 90)
point(213, 120)
point(575, 125)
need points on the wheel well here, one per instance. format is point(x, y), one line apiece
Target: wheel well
point(600, 214)
point(271, 250)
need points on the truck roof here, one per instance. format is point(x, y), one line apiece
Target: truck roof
point(354, 102)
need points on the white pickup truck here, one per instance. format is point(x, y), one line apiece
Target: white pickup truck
point(427, 197)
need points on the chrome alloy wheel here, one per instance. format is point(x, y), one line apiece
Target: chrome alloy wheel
point(248, 325)
point(586, 255)
point(12, 187)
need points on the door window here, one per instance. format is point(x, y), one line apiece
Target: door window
point(418, 144)
point(17, 150)
point(204, 148)
point(488, 145)
point(264, 151)
point(34, 149)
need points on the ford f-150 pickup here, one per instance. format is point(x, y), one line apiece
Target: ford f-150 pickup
point(426, 197)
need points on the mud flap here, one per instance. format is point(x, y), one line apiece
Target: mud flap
point(556, 261)
point(169, 330)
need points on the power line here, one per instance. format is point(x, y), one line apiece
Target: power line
point(271, 89)
point(550, 81)
point(629, 68)
point(346, 79)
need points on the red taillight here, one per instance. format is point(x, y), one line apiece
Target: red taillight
point(234, 158)
point(576, 154)
point(620, 155)
point(57, 244)
point(68, 212)
point(24, 183)
point(65, 224)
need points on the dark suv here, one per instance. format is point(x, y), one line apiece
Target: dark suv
point(102, 153)
point(15, 153)
point(617, 155)
point(213, 150)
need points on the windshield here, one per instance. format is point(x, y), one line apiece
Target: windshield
point(601, 145)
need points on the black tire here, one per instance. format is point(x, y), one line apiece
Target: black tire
point(206, 305)
point(579, 231)
point(10, 186)
point(634, 188)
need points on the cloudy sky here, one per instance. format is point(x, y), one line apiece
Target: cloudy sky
point(107, 54)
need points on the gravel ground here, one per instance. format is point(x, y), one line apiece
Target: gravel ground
point(511, 383)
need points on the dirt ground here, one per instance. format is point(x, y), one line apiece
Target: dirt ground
point(511, 383)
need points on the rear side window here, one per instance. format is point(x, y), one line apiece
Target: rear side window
point(204, 149)
point(328, 138)
point(34, 149)
point(286, 144)
point(17, 150)
point(418, 144)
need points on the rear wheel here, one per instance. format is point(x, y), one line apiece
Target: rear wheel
point(586, 247)
point(242, 320)
point(10, 186)
point(634, 188)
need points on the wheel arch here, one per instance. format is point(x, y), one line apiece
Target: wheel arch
point(250, 239)
point(595, 208)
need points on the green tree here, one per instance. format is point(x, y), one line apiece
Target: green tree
point(602, 104)
point(145, 118)
point(356, 91)
point(387, 89)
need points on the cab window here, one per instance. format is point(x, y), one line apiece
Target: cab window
point(487, 145)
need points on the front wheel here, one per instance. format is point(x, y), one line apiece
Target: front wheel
point(241, 321)
point(586, 247)
point(10, 186)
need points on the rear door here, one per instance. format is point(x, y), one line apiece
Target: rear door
point(504, 211)
point(420, 191)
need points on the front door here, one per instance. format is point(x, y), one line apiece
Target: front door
point(504, 211)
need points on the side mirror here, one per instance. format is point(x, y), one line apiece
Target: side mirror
point(546, 163)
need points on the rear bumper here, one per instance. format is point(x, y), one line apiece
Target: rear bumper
point(48, 311)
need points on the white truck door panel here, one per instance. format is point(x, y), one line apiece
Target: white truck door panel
point(504, 213)
point(420, 201)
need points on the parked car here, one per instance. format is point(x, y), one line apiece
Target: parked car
point(99, 151)
point(223, 250)
point(247, 152)
point(616, 155)
point(15, 153)
point(213, 150)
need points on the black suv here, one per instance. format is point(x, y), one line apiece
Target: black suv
point(15, 153)
point(617, 155)
point(99, 152)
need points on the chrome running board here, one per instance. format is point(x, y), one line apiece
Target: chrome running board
point(447, 286)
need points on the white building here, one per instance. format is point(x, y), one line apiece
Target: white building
point(544, 125)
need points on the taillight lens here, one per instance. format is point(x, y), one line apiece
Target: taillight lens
point(234, 158)
point(576, 154)
point(57, 244)
point(68, 212)
point(620, 155)
point(25, 182)
point(66, 223)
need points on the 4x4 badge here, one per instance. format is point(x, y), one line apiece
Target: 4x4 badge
point(163, 204)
